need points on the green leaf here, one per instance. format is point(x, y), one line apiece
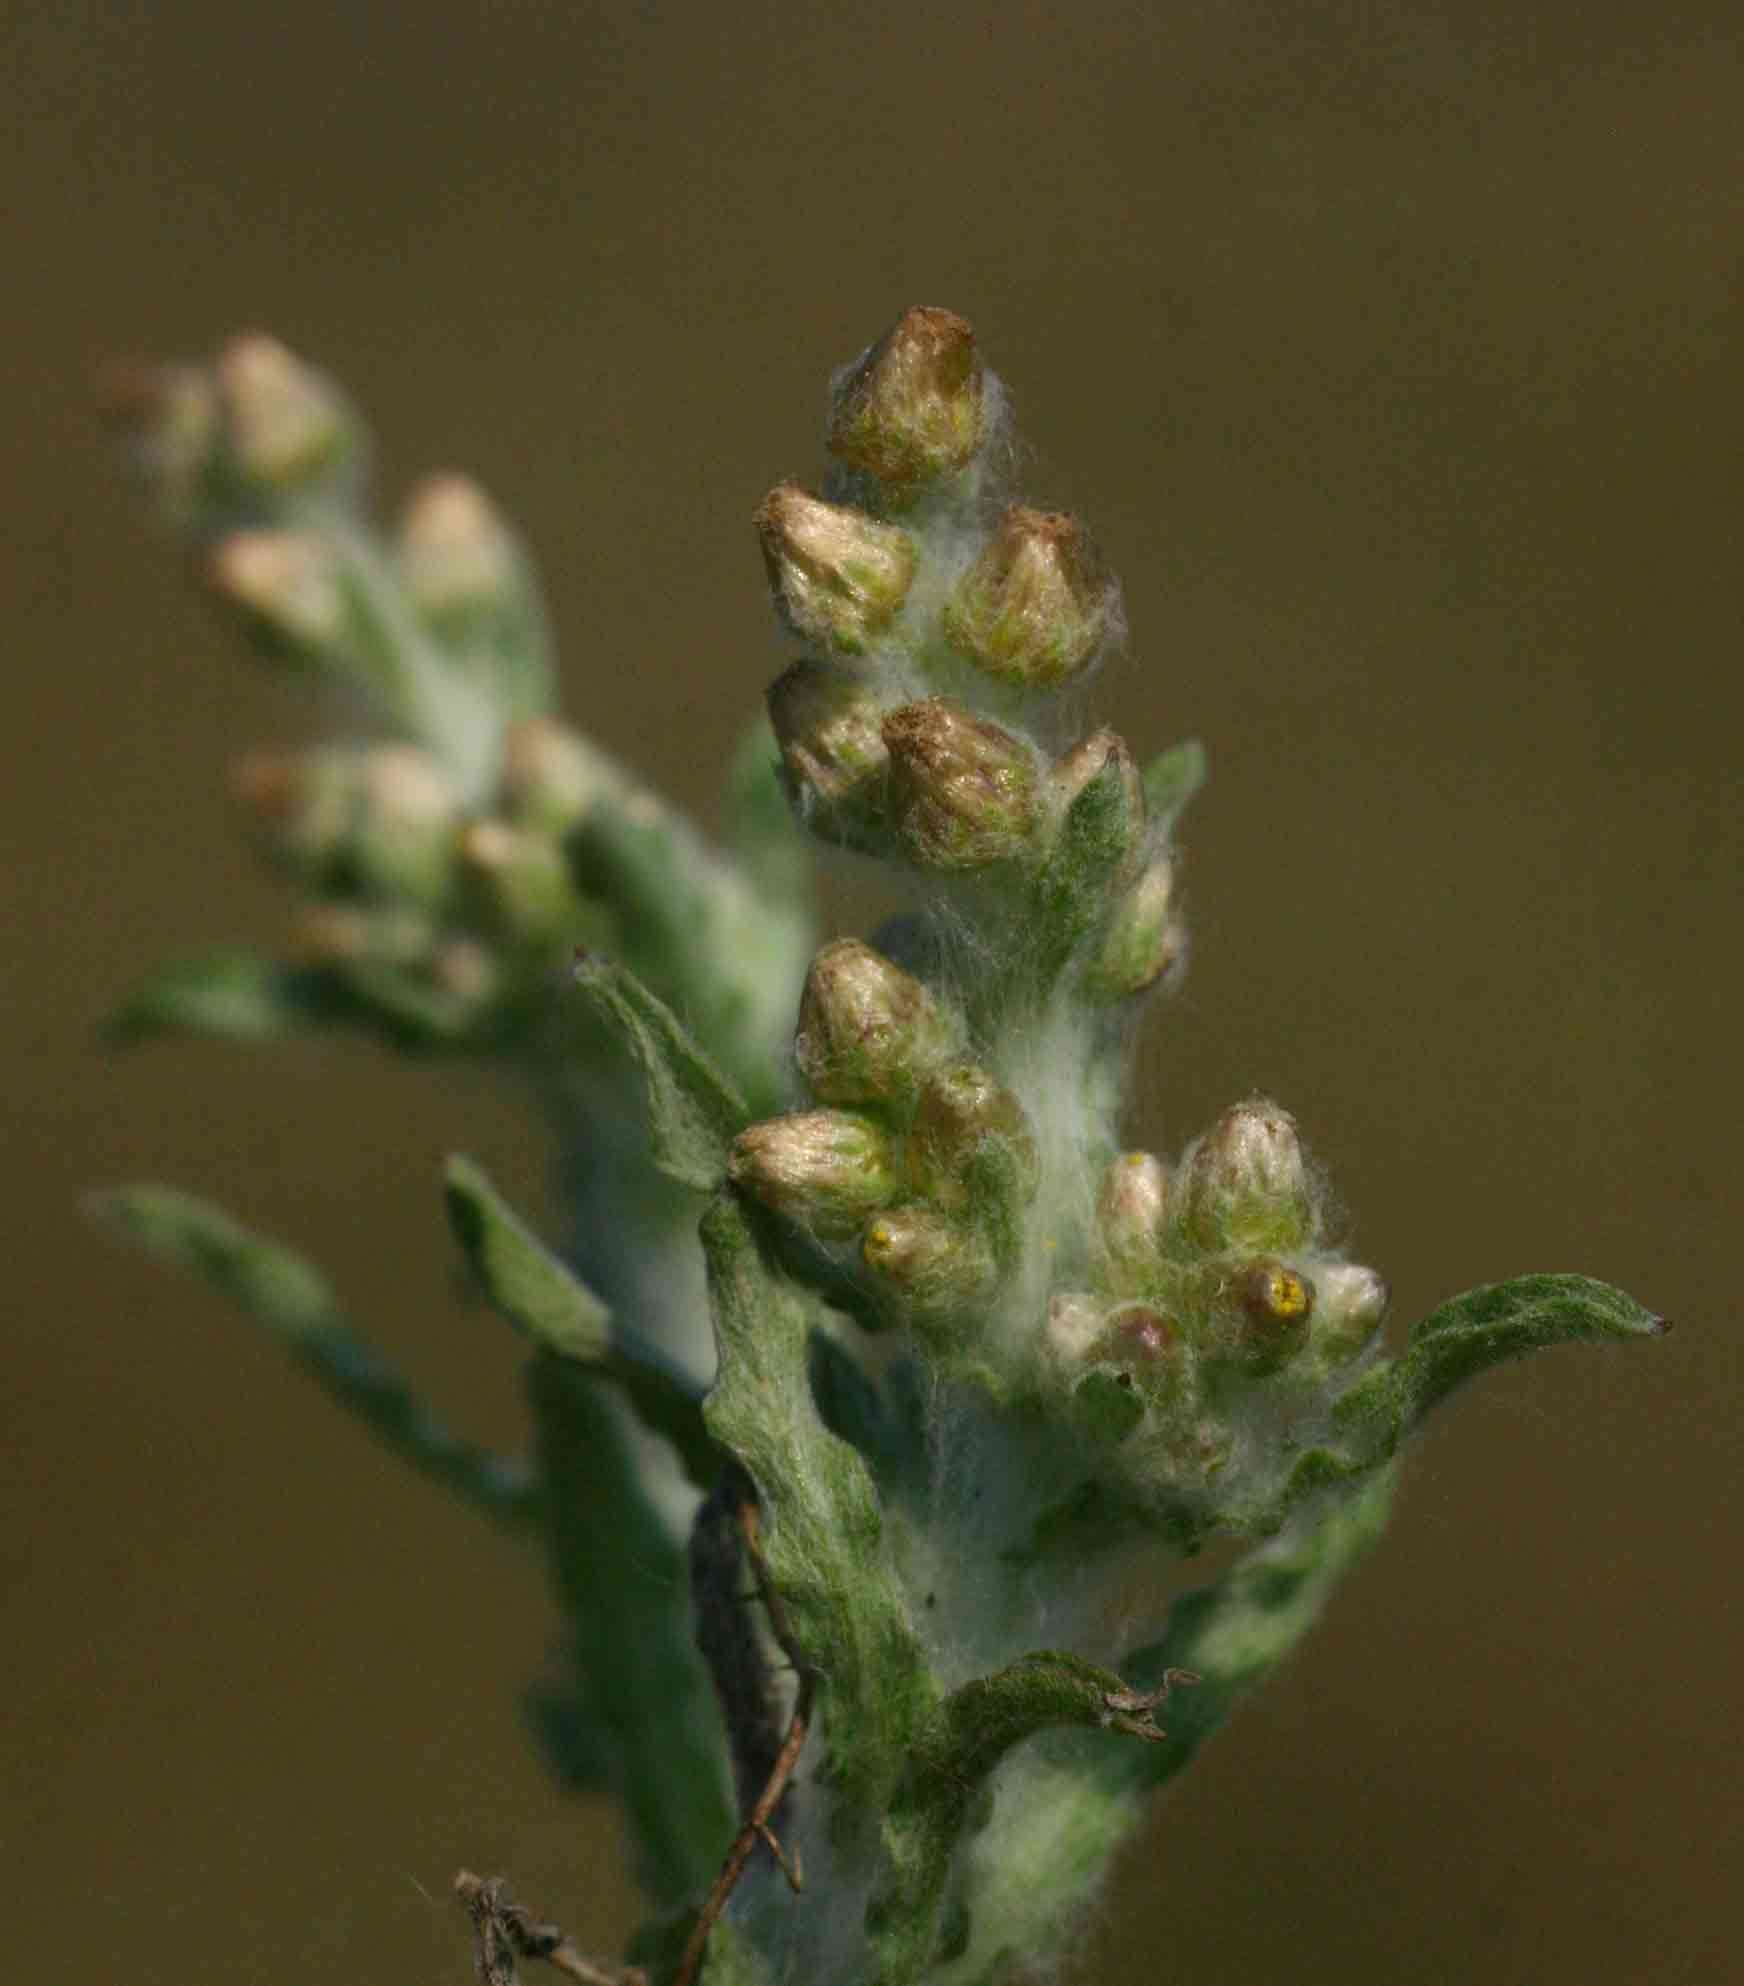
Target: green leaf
point(1171, 780)
point(1073, 889)
point(1480, 1329)
point(822, 1524)
point(292, 1300)
point(694, 1113)
point(646, 1710)
point(972, 1732)
point(234, 995)
point(544, 1298)
point(1063, 1806)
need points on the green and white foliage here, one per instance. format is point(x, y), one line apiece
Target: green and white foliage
point(977, 1364)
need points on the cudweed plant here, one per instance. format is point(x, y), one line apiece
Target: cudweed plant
point(869, 1368)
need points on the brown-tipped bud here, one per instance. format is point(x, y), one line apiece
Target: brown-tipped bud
point(824, 1170)
point(344, 935)
point(962, 789)
point(867, 1033)
point(839, 577)
point(1074, 770)
point(289, 584)
point(1246, 1184)
point(167, 417)
point(464, 970)
point(1130, 1211)
point(552, 777)
point(521, 879)
point(287, 426)
point(304, 805)
point(971, 1136)
point(1038, 603)
point(830, 727)
point(912, 408)
point(1074, 1324)
point(456, 555)
point(1350, 1307)
point(1144, 943)
point(929, 1261)
point(1276, 1303)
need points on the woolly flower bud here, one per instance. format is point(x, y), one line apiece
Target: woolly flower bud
point(838, 576)
point(551, 777)
point(1276, 1303)
point(1350, 1307)
point(304, 804)
point(1145, 1345)
point(455, 552)
point(1073, 1326)
point(521, 878)
point(1246, 1185)
point(867, 1033)
point(287, 425)
point(1143, 942)
point(1130, 1209)
point(1037, 604)
point(911, 409)
point(830, 727)
point(288, 582)
point(930, 1261)
point(970, 1132)
point(824, 1170)
point(962, 789)
point(168, 419)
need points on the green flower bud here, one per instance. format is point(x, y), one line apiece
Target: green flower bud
point(457, 558)
point(970, 1135)
point(867, 1033)
point(830, 727)
point(1037, 605)
point(290, 586)
point(303, 805)
point(932, 1263)
point(1245, 1185)
point(1144, 943)
point(167, 417)
point(380, 819)
point(911, 409)
point(824, 1170)
point(839, 577)
point(288, 428)
point(1130, 1210)
point(1145, 1347)
point(962, 789)
point(522, 880)
point(552, 778)
point(1350, 1307)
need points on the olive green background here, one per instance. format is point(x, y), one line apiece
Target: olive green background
point(1394, 354)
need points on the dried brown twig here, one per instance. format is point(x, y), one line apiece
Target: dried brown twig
point(503, 1932)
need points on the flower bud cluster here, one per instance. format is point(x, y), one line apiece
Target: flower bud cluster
point(917, 1159)
point(1214, 1298)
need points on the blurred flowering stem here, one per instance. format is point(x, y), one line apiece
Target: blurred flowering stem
point(865, 1366)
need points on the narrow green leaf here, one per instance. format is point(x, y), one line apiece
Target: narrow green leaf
point(694, 1113)
point(1480, 1329)
point(822, 1523)
point(234, 995)
point(972, 1732)
point(645, 1709)
point(1073, 889)
point(1171, 780)
point(543, 1297)
point(292, 1300)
